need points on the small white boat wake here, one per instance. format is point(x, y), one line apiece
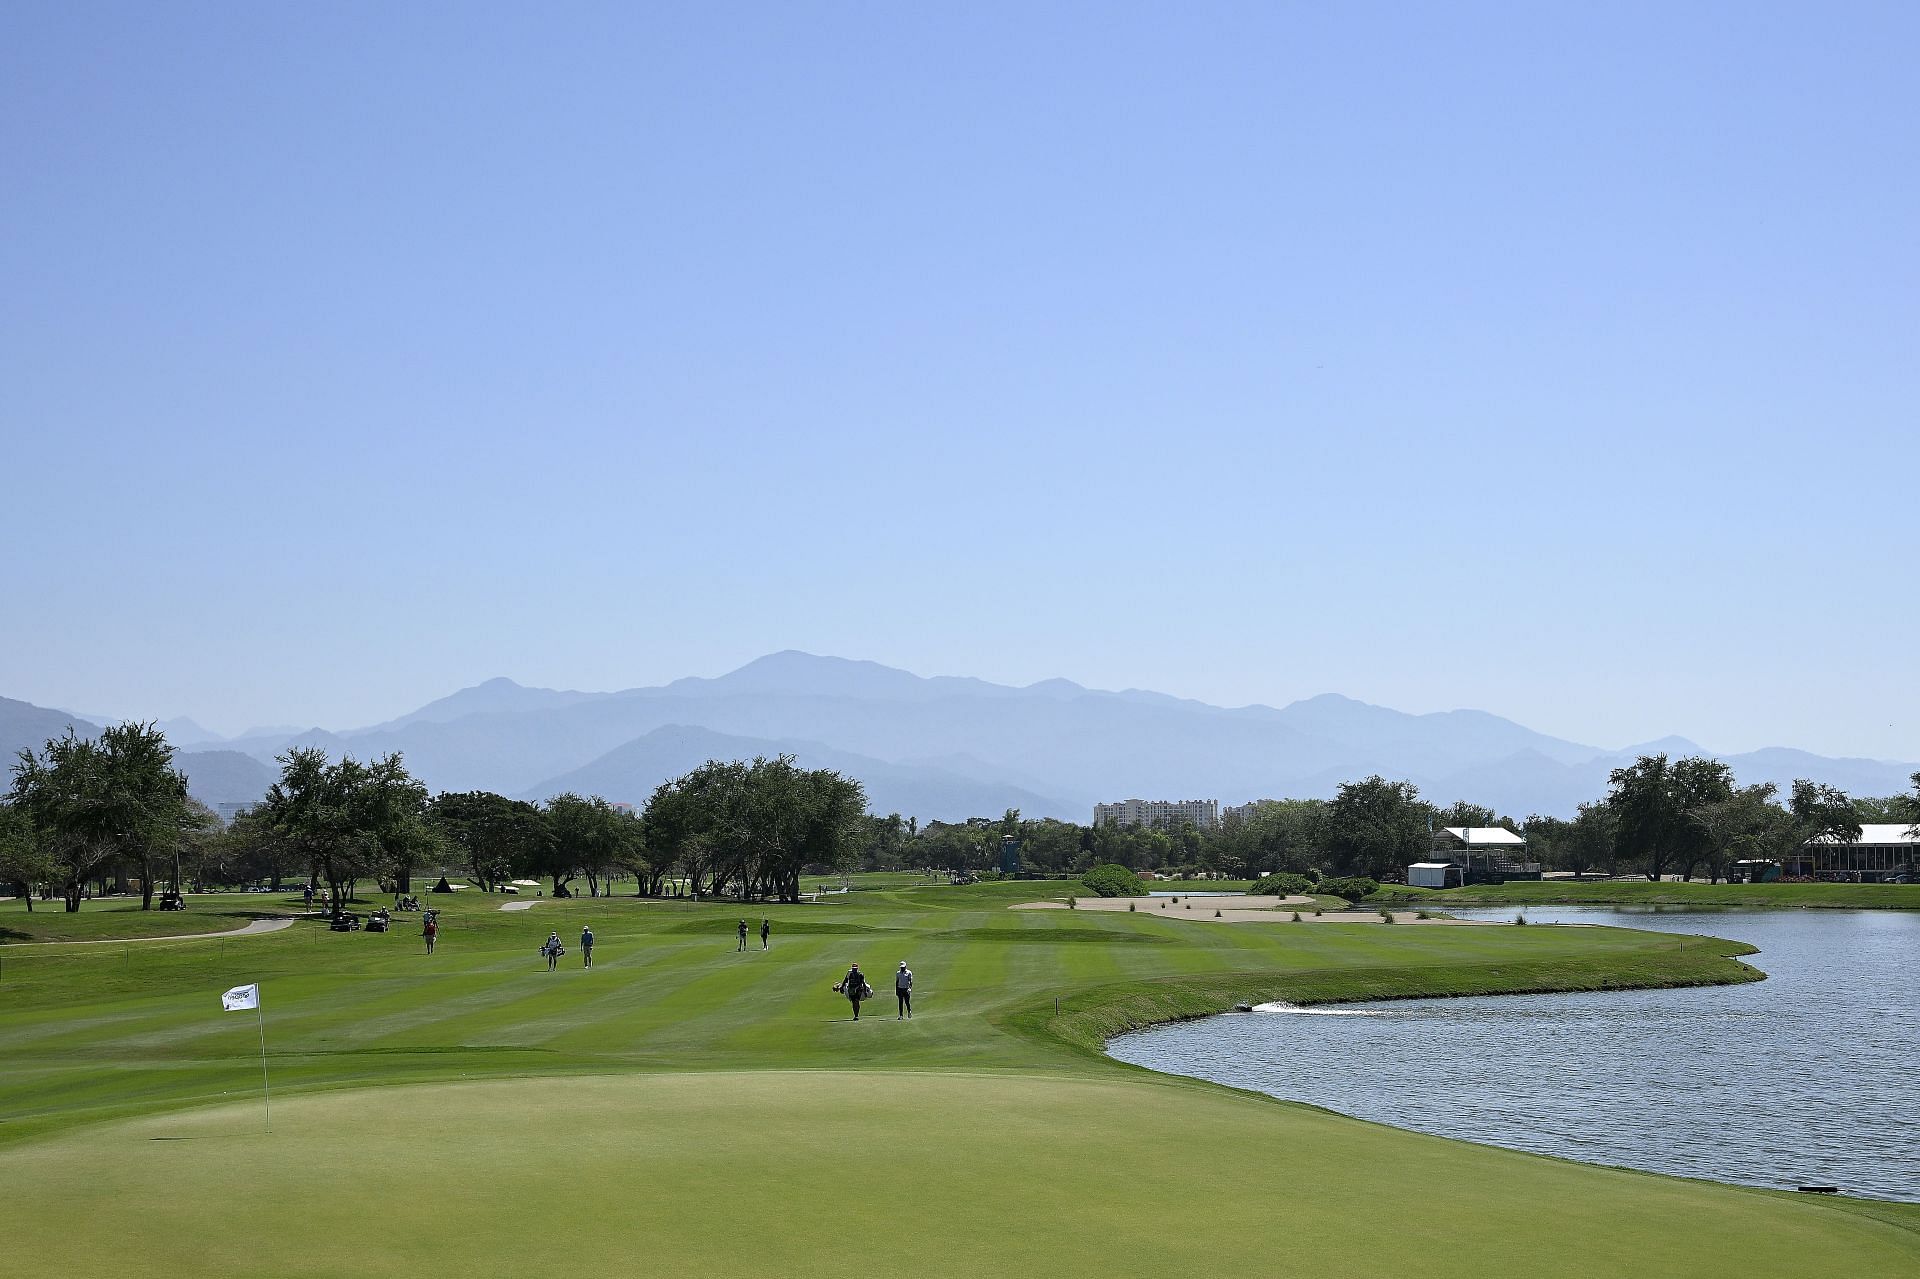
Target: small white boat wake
point(1316, 1012)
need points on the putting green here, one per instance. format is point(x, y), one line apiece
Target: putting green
point(864, 1173)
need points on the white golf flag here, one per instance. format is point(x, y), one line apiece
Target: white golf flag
point(241, 998)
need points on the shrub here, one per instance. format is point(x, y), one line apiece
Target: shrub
point(1352, 887)
point(1282, 885)
point(1296, 916)
point(1386, 916)
point(1129, 908)
point(1073, 903)
point(1114, 881)
point(1520, 919)
point(1216, 914)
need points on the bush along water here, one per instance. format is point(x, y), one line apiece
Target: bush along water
point(1114, 881)
point(1281, 885)
point(1352, 887)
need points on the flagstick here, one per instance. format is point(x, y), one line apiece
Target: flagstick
point(265, 1092)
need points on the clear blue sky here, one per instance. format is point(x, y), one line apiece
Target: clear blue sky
point(1558, 360)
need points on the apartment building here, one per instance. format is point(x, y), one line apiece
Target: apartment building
point(1162, 813)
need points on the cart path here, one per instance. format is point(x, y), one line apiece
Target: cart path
point(523, 905)
point(256, 926)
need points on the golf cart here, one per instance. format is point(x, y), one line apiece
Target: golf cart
point(379, 921)
point(344, 922)
point(172, 900)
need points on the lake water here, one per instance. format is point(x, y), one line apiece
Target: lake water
point(1808, 1078)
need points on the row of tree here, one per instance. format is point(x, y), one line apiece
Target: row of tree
point(85, 813)
point(1661, 816)
point(88, 811)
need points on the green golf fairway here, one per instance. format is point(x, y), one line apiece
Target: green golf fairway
point(684, 1107)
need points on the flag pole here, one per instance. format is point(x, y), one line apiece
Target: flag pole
point(266, 1093)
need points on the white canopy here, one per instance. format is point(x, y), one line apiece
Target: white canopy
point(1478, 836)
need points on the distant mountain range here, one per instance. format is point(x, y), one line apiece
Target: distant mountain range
point(951, 747)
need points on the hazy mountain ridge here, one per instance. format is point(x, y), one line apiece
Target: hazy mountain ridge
point(1051, 748)
point(629, 774)
point(214, 776)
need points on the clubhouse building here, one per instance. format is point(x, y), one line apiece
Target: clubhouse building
point(1885, 851)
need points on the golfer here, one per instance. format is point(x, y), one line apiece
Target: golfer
point(903, 990)
point(552, 951)
point(766, 930)
point(430, 929)
point(586, 946)
point(854, 987)
point(743, 936)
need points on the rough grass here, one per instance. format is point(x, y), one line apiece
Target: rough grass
point(585, 1119)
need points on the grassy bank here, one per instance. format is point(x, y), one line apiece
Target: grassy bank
point(1628, 892)
point(1088, 1020)
point(706, 1108)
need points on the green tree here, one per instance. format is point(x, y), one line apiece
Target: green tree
point(1887, 809)
point(347, 821)
point(23, 864)
point(146, 801)
point(251, 850)
point(1462, 813)
point(1049, 846)
point(1592, 840)
point(1818, 813)
point(581, 841)
point(750, 828)
point(494, 838)
point(1660, 805)
point(1377, 828)
point(91, 801)
point(957, 845)
point(1286, 836)
point(394, 812)
point(882, 843)
point(201, 832)
point(1744, 826)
